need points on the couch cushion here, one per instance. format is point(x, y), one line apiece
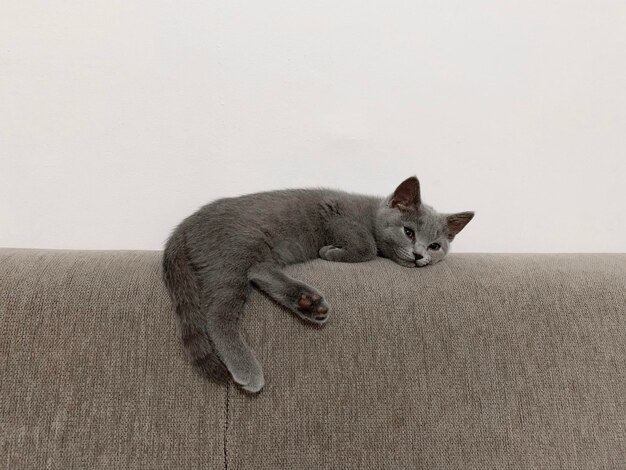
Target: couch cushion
point(482, 361)
point(92, 372)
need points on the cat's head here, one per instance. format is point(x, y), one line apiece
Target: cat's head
point(412, 233)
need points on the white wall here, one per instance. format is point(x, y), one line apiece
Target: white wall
point(119, 118)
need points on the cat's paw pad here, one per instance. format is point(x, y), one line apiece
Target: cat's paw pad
point(312, 307)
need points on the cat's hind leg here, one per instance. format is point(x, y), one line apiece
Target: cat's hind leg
point(300, 298)
point(224, 305)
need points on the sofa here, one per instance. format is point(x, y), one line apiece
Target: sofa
point(512, 361)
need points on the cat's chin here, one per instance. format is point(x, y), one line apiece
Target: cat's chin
point(412, 264)
point(405, 263)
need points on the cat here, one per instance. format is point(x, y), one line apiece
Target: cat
point(216, 255)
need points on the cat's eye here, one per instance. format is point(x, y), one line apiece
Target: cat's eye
point(434, 246)
point(409, 233)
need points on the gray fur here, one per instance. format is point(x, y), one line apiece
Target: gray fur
point(217, 254)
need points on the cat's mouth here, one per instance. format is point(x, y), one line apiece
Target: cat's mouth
point(409, 262)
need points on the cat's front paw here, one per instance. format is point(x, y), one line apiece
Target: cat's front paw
point(332, 253)
point(312, 307)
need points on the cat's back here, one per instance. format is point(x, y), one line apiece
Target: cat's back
point(286, 213)
point(273, 205)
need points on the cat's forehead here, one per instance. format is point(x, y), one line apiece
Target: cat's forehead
point(428, 221)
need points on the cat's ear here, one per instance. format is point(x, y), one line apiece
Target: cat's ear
point(407, 195)
point(456, 223)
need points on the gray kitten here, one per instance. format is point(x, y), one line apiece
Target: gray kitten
point(215, 255)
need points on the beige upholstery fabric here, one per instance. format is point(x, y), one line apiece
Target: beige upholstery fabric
point(92, 374)
point(482, 361)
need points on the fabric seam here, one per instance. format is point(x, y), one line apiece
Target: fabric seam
point(226, 423)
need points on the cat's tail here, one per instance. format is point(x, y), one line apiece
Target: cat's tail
point(182, 284)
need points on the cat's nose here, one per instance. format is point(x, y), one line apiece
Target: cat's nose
point(417, 257)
